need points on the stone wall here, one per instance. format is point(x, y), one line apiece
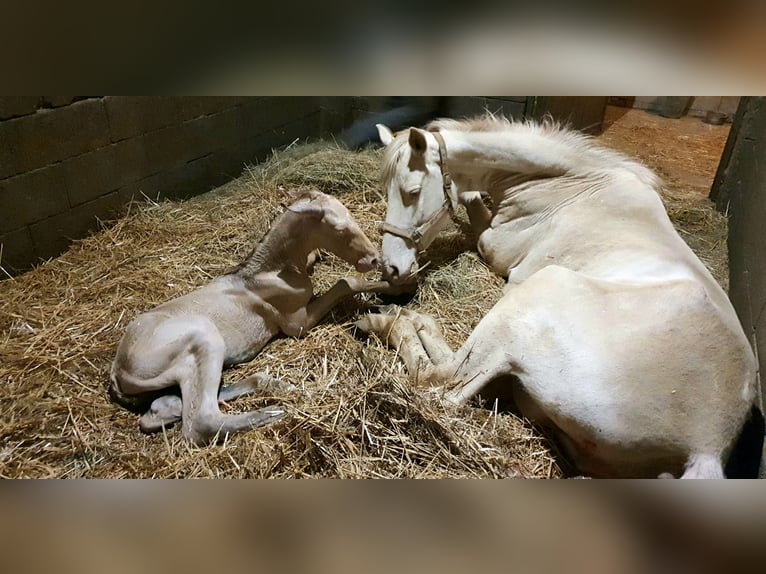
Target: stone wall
point(67, 162)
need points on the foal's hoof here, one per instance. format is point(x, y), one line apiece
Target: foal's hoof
point(164, 412)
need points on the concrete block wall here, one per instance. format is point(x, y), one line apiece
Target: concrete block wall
point(697, 106)
point(451, 106)
point(584, 113)
point(68, 161)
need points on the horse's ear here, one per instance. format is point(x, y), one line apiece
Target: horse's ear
point(385, 134)
point(418, 141)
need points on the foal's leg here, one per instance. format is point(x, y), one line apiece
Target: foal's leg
point(196, 351)
point(300, 323)
point(259, 383)
point(167, 410)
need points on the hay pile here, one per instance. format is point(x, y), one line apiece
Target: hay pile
point(354, 415)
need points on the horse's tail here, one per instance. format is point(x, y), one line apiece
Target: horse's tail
point(745, 458)
point(704, 466)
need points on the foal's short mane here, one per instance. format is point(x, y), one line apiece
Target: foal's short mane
point(259, 252)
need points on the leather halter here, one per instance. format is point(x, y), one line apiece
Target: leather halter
point(416, 234)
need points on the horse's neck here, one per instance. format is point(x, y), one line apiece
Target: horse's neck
point(512, 151)
point(524, 152)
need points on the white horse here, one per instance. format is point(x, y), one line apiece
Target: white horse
point(610, 330)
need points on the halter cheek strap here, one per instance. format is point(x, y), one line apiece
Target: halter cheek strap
point(446, 177)
point(417, 234)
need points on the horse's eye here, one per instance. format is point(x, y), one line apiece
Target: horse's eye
point(413, 191)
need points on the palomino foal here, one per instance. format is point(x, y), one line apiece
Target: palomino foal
point(610, 330)
point(187, 341)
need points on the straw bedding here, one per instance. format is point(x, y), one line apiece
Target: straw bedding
point(354, 414)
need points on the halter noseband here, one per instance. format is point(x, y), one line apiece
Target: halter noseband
point(416, 234)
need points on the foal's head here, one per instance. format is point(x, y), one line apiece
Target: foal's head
point(329, 225)
point(418, 203)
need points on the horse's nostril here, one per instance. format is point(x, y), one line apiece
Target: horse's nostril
point(374, 262)
point(393, 271)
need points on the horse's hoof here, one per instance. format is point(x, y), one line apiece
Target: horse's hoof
point(364, 325)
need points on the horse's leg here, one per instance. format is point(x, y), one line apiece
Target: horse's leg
point(478, 213)
point(397, 331)
point(431, 336)
point(480, 360)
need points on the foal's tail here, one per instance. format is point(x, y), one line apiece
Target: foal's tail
point(134, 403)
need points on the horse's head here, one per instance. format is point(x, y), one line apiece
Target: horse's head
point(332, 227)
point(418, 192)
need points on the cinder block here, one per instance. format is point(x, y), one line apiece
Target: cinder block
point(171, 146)
point(54, 135)
point(10, 160)
point(507, 107)
point(466, 106)
point(59, 101)
point(179, 144)
point(182, 182)
point(14, 106)
point(17, 251)
point(31, 197)
point(271, 112)
point(130, 116)
point(104, 170)
point(52, 236)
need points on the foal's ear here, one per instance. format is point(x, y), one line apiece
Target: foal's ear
point(418, 141)
point(307, 208)
point(385, 134)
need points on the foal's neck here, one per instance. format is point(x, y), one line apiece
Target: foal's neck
point(284, 248)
